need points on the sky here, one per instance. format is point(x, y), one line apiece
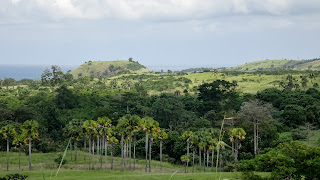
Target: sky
point(190, 33)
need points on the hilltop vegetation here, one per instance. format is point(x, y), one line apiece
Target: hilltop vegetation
point(266, 65)
point(97, 69)
point(179, 114)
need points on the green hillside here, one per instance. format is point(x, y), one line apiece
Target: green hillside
point(313, 64)
point(107, 68)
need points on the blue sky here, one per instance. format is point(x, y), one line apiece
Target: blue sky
point(158, 32)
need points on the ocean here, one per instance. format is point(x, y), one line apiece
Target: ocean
point(34, 72)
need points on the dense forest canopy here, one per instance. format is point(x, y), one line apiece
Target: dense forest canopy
point(268, 118)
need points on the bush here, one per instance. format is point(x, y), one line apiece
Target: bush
point(14, 177)
point(291, 160)
point(58, 159)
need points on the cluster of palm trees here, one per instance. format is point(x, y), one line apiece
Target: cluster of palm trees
point(101, 136)
point(29, 132)
point(206, 141)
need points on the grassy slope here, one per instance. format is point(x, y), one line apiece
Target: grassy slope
point(101, 67)
point(248, 83)
point(261, 64)
point(278, 64)
point(43, 165)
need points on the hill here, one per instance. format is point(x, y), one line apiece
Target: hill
point(312, 64)
point(97, 69)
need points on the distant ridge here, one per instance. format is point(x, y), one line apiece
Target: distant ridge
point(266, 65)
point(97, 69)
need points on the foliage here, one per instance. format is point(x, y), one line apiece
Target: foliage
point(14, 177)
point(289, 160)
point(59, 159)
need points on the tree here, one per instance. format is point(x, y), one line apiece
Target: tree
point(255, 113)
point(236, 135)
point(162, 135)
point(186, 136)
point(218, 95)
point(8, 132)
point(30, 131)
point(185, 160)
point(103, 126)
point(151, 127)
point(52, 78)
point(90, 128)
point(8, 82)
point(19, 142)
point(74, 131)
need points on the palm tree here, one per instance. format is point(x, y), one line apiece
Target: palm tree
point(131, 124)
point(19, 142)
point(237, 135)
point(150, 127)
point(147, 122)
point(185, 160)
point(112, 141)
point(193, 143)
point(30, 130)
point(122, 129)
point(212, 144)
point(90, 128)
point(73, 130)
point(162, 135)
point(104, 131)
point(186, 136)
point(8, 132)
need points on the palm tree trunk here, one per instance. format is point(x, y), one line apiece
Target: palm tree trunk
point(161, 154)
point(98, 157)
point(134, 152)
point(75, 150)
point(200, 159)
point(105, 152)
point(101, 147)
point(187, 154)
point(122, 154)
point(125, 154)
point(212, 159)
point(29, 152)
point(204, 160)
point(84, 148)
point(89, 153)
point(19, 156)
point(146, 151)
point(71, 149)
point(193, 160)
point(208, 158)
point(150, 143)
point(130, 149)
point(8, 154)
point(111, 151)
point(93, 153)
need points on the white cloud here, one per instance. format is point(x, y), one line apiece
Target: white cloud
point(152, 10)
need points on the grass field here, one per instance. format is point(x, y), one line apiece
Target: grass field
point(132, 175)
point(44, 167)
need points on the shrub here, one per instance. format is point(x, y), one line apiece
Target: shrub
point(58, 159)
point(14, 177)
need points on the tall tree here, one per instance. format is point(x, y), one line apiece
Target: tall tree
point(255, 113)
point(104, 132)
point(19, 142)
point(52, 78)
point(162, 135)
point(8, 132)
point(30, 130)
point(90, 128)
point(236, 135)
point(186, 136)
